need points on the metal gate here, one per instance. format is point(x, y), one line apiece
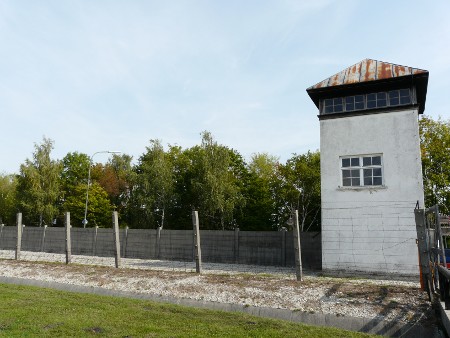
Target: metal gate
point(432, 233)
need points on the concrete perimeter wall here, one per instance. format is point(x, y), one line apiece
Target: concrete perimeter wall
point(274, 248)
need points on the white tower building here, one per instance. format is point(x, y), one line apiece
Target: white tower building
point(371, 177)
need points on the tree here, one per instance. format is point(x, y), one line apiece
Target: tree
point(258, 193)
point(263, 165)
point(435, 151)
point(300, 188)
point(115, 178)
point(75, 168)
point(39, 185)
point(8, 202)
point(154, 191)
point(99, 206)
point(183, 198)
point(215, 185)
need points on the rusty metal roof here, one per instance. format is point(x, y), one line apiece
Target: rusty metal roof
point(365, 71)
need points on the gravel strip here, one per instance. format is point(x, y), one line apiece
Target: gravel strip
point(273, 287)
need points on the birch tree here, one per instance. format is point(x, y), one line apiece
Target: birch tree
point(215, 184)
point(155, 184)
point(39, 185)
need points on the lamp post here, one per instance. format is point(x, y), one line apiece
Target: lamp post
point(89, 180)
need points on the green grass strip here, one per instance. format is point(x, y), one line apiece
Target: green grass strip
point(40, 312)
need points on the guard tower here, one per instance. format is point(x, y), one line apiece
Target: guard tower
point(371, 177)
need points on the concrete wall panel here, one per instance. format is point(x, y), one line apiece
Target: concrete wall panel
point(8, 237)
point(141, 243)
point(82, 241)
point(218, 246)
point(260, 248)
point(32, 238)
point(55, 240)
point(177, 245)
point(105, 243)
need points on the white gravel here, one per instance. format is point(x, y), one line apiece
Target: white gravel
point(237, 284)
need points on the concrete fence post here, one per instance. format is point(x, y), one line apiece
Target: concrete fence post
point(115, 220)
point(68, 239)
point(44, 229)
point(297, 248)
point(197, 249)
point(94, 240)
point(19, 234)
point(236, 245)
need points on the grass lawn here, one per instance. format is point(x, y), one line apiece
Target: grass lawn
point(38, 312)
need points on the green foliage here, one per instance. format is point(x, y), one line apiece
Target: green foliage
point(165, 186)
point(435, 149)
point(8, 200)
point(99, 206)
point(258, 193)
point(300, 189)
point(169, 185)
point(263, 165)
point(39, 185)
point(215, 184)
point(108, 190)
point(154, 189)
point(183, 201)
point(75, 167)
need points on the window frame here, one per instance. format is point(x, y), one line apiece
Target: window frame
point(350, 164)
point(373, 100)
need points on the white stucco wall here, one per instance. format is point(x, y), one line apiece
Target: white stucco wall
point(371, 229)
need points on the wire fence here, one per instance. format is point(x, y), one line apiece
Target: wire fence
point(172, 249)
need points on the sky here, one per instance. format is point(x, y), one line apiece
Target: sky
point(96, 75)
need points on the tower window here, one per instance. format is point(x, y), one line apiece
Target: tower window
point(394, 98)
point(405, 96)
point(361, 171)
point(334, 105)
point(381, 100)
point(354, 102)
point(367, 101)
